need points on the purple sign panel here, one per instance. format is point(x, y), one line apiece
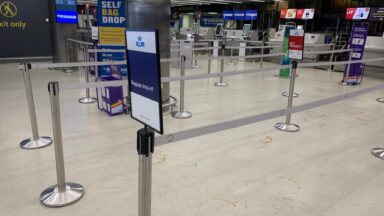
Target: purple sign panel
point(356, 43)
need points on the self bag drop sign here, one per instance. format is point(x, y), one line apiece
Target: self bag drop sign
point(111, 13)
point(143, 62)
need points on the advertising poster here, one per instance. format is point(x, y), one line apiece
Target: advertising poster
point(305, 14)
point(296, 44)
point(357, 44)
point(66, 11)
point(144, 79)
point(376, 14)
point(357, 13)
point(111, 22)
point(285, 60)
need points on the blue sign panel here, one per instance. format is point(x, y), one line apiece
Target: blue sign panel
point(118, 71)
point(251, 15)
point(238, 15)
point(111, 13)
point(210, 21)
point(228, 15)
point(143, 60)
point(66, 11)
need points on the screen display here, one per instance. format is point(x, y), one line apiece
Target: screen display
point(66, 11)
point(246, 30)
point(376, 14)
point(195, 28)
point(357, 13)
point(288, 13)
point(218, 30)
point(305, 14)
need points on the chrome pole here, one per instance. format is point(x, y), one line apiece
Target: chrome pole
point(345, 79)
point(262, 58)
point(182, 114)
point(231, 60)
point(145, 149)
point(287, 126)
point(331, 57)
point(62, 194)
point(380, 100)
point(36, 141)
point(87, 99)
point(221, 83)
point(195, 55)
point(209, 60)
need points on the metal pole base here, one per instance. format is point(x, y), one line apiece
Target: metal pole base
point(42, 142)
point(221, 84)
point(380, 100)
point(52, 197)
point(87, 100)
point(196, 66)
point(287, 128)
point(378, 152)
point(70, 70)
point(286, 94)
point(182, 115)
point(231, 63)
point(343, 83)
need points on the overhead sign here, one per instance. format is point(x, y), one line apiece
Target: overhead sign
point(296, 44)
point(66, 11)
point(210, 20)
point(111, 13)
point(228, 15)
point(305, 14)
point(251, 15)
point(143, 60)
point(288, 13)
point(376, 14)
point(357, 13)
point(238, 15)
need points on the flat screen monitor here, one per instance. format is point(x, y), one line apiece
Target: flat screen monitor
point(66, 11)
point(357, 13)
point(195, 28)
point(219, 29)
point(246, 30)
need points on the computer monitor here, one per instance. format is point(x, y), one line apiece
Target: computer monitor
point(219, 30)
point(246, 30)
point(195, 28)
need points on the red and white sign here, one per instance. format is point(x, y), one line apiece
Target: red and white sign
point(357, 13)
point(305, 14)
point(296, 44)
point(288, 13)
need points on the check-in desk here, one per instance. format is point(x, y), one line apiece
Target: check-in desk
point(374, 48)
point(181, 48)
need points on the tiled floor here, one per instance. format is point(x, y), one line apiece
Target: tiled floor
point(326, 169)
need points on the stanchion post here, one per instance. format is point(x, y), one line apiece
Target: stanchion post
point(36, 142)
point(287, 126)
point(194, 55)
point(262, 57)
point(87, 99)
point(63, 193)
point(182, 114)
point(332, 56)
point(345, 78)
point(231, 62)
point(221, 83)
point(145, 149)
point(209, 60)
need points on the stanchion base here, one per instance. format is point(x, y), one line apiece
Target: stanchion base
point(286, 94)
point(378, 152)
point(182, 115)
point(231, 63)
point(196, 66)
point(87, 100)
point(343, 83)
point(380, 100)
point(70, 70)
point(53, 198)
point(287, 128)
point(221, 84)
point(42, 142)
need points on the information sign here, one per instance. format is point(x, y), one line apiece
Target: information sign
point(111, 13)
point(376, 14)
point(228, 15)
point(143, 60)
point(285, 72)
point(251, 15)
point(296, 44)
point(66, 11)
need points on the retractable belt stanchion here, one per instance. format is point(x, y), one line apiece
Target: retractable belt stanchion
point(145, 149)
point(231, 62)
point(36, 141)
point(287, 126)
point(261, 58)
point(344, 82)
point(221, 83)
point(332, 56)
point(195, 55)
point(64, 193)
point(182, 114)
point(380, 100)
point(209, 60)
point(87, 99)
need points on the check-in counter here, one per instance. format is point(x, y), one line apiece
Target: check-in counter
point(374, 48)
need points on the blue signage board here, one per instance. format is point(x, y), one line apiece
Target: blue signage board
point(143, 60)
point(250, 15)
point(238, 15)
point(210, 20)
point(66, 11)
point(118, 71)
point(228, 15)
point(111, 13)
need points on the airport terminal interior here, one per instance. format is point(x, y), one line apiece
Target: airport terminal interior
point(192, 107)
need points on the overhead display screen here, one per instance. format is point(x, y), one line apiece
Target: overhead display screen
point(376, 14)
point(66, 11)
point(288, 13)
point(305, 14)
point(357, 13)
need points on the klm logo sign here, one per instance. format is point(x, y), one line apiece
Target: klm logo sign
point(140, 42)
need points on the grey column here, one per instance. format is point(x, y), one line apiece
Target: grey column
point(150, 14)
point(59, 34)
